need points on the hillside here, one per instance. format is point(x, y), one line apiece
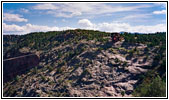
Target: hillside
point(86, 63)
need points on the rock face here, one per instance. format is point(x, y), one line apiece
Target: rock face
point(18, 65)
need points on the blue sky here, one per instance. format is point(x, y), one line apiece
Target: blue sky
point(23, 18)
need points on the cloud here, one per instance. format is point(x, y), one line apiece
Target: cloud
point(12, 28)
point(46, 6)
point(113, 27)
point(118, 27)
point(149, 29)
point(135, 16)
point(160, 12)
point(65, 15)
point(85, 23)
point(162, 4)
point(68, 10)
point(13, 18)
point(24, 10)
point(63, 20)
point(25, 29)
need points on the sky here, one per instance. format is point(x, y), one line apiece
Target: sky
point(24, 18)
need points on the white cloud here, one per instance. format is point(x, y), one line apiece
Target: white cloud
point(118, 27)
point(66, 15)
point(113, 27)
point(85, 23)
point(16, 29)
point(149, 29)
point(24, 10)
point(160, 12)
point(63, 20)
point(162, 4)
point(34, 28)
point(13, 18)
point(135, 16)
point(46, 6)
point(12, 28)
point(68, 10)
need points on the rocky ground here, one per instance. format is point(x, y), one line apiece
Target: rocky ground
point(84, 69)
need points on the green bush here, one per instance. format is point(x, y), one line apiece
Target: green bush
point(125, 64)
point(50, 68)
point(59, 70)
point(122, 93)
point(157, 88)
point(59, 55)
point(43, 78)
point(100, 49)
point(17, 78)
point(116, 60)
point(35, 70)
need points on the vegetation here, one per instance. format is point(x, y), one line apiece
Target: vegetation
point(122, 93)
point(43, 78)
point(17, 78)
point(152, 88)
point(75, 44)
point(150, 39)
point(50, 68)
point(35, 70)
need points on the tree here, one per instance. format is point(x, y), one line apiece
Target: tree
point(157, 88)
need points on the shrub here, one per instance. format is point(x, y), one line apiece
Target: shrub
point(50, 68)
point(60, 81)
point(59, 70)
point(88, 61)
point(17, 78)
point(61, 63)
point(116, 60)
point(125, 64)
point(156, 88)
point(35, 70)
point(59, 55)
point(43, 78)
point(100, 48)
point(51, 82)
point(86, 71)
point(122, 93)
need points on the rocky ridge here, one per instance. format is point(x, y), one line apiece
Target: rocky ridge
point(85, 68)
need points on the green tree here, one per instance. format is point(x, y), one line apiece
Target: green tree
point(157, 88)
